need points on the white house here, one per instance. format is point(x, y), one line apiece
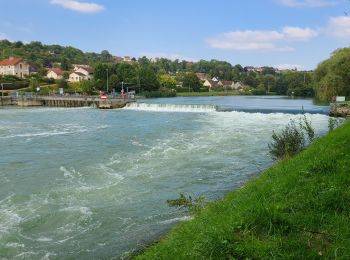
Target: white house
point(76, 77)
point(14, 66)
point(81, 72)
point(54, 73)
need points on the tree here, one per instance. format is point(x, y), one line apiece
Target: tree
point(87, 86)
point(332, 77)
point(190, 80)
point(148, 79)
point(167, 81)
point(62, 83)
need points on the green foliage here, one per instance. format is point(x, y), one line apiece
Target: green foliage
point(190, 80)
point(148, 79)
point(288, 142)
point(86, 86)
point(292, 139)
point(62, 83)
point(298, 209)
point(192, 205)
point(163, 92)
point(334, 123)
point(166, 81)
point(306, 126)
point(332, 77)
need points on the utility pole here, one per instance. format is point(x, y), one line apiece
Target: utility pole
point(107, 81)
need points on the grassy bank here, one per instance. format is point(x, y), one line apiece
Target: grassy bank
point(298, 209)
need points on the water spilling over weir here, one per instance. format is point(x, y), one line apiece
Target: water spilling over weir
point(171, 107)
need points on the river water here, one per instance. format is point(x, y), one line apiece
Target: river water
point(83, 183)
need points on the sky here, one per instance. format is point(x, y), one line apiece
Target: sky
point(278, 33)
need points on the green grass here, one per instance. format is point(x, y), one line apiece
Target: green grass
point(298, 209)
point(205, 94)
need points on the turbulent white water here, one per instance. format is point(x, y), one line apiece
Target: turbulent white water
point(170, 107)
point(85, 184)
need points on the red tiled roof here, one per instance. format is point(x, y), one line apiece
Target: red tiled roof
point(11, 61)
point(58, 71)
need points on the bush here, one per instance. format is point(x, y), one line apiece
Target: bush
point(287, 143)
point(292, 139)
point(160, 93)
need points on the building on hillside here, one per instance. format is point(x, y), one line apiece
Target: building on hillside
point(215, 79)
point(80, 73)
point(201, 76)
point(76, 77)
point(127, 59)
point(212, 84)
point(54, 73)
point(15, 67)
point(249, 69)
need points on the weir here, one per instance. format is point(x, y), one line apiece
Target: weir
point(171, 107)
point(63, 101)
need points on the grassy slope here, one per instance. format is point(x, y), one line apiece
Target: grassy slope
point(298, 209)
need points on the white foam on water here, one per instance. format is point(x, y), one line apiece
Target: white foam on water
point(15, 245)
point(173, 220)
point(170, 107)
point(84, 211)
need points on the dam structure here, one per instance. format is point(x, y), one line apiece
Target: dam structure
point(65, 101)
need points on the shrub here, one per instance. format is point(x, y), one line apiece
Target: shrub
point(292, 139)
point(288, 142)
point(160, 93)
point(194, 206)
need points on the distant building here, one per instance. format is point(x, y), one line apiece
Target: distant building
point(54, 73)
point(15, 67)
point(80, 73)
point(249, 69)
point(127, 59)
point(76, 77)
point(209, 83)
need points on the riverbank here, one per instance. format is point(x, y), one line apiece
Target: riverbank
point(208, 94)
point(340, 109)
point(297, 209)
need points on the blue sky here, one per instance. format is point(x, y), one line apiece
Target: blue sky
point(280, 33)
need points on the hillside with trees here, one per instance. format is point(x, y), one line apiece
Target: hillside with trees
point(149, 75)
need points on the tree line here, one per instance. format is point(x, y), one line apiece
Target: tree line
point(331, 77)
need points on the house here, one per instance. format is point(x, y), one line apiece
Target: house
point(76, 77)
point(54, 73)
point(14, 66)
point(215, 79)
point(226, 83)
point(81, 72)
point(211, 84)
point(127, 59)
point(249, 69)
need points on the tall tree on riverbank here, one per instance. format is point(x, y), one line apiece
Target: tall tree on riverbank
point(332, 77)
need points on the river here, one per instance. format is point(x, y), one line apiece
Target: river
point(83, 183)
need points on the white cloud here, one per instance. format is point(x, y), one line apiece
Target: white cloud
point(290, 67)
point(261, 40)
point(307, 3)
point(339, 27)
point(299, 34)
point(78, 6)
point(170, 56)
